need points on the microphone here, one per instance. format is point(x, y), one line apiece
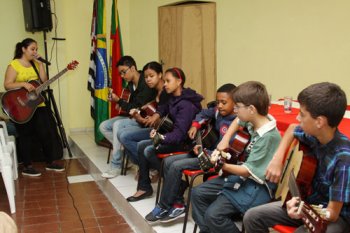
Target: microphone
point(43, 60)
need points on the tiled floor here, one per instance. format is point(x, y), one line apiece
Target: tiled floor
point(124, 186)
point(50, 204)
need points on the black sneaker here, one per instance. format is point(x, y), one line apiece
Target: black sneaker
point(54, 167)
point(29, 171)
point(156, 214)
point(174, 213)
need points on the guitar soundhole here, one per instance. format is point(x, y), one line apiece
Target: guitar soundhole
point(32, 95)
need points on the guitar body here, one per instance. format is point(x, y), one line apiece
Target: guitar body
point(148, 109)
point(165, 125)
point(125, 95)
point(303, 165)
point(20, 105)
point(209, 136)
point(235, 153)
point(238, 144)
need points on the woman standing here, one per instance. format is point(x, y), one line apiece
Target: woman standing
point(23, 68)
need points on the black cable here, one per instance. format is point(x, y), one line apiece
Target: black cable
point(70, 194)
point(54, 45)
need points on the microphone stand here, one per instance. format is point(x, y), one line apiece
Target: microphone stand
point(51, 101)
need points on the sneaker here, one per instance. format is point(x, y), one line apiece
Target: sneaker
point(30, 171)
point(111, 173)
point(156, 214)
point(177, 211)
point(54, 167)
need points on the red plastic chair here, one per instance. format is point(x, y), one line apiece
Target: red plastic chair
point(193, 174)
point(284, 229)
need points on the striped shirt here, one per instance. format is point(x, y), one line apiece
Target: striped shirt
point(332, 177)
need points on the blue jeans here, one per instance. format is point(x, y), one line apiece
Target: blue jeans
point(146, 148)
point(130, 138)
point(109, 129)
point(173, 185)
point(210, 210)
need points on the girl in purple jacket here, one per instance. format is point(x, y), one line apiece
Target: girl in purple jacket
point(182, 108)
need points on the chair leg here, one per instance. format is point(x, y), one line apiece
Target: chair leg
point(159, 180)
point(7, 176)
point(123, 168)
point(125, 162)
point(189, 201)
point(109, 154)
point(195, 228)
point(14, 160)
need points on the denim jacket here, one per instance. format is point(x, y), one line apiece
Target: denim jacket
point(245, 193)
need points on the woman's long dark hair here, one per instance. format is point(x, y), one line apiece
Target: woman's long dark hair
point(24, 44)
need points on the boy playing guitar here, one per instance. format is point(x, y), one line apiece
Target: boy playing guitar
point(322, 107)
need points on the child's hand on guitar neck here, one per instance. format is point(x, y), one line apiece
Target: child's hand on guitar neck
point(293, 208)
point(112, 96)
point(192, 132)
point(196, 149)
point(152, 120)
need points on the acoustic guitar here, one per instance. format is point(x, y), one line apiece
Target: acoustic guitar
point(312, 216)
point(209, 136)
point(233, 155)
point(125, 95)
point(20, 105)
point(164, 125)
point(304, 166)
point(148, 109)
point(296, 180)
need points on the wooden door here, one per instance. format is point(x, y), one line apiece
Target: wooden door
point(187, 39)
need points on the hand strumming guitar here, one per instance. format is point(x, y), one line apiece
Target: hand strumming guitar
point(152, 120)
point(274, 170)
point(135, 113)
point(156, 137)
point(28, 86)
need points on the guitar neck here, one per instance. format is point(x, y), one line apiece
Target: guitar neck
point(199, 141)
point(311, 218)
point(43, 86)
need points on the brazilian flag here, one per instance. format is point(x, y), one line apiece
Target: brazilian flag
point(98, 70)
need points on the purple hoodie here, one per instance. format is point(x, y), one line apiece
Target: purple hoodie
point(182, 110)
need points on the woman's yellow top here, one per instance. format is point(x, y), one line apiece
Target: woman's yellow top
point(25, 74)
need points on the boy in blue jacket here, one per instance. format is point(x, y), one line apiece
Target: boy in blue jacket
point(171, 202)
point(217, 201)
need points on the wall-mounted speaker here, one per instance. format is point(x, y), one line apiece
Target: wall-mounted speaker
point(37, 15)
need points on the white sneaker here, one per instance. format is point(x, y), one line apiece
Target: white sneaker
point(111, 173)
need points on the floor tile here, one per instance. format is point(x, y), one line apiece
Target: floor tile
point(50, 204)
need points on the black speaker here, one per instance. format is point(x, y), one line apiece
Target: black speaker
point(37, 15)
